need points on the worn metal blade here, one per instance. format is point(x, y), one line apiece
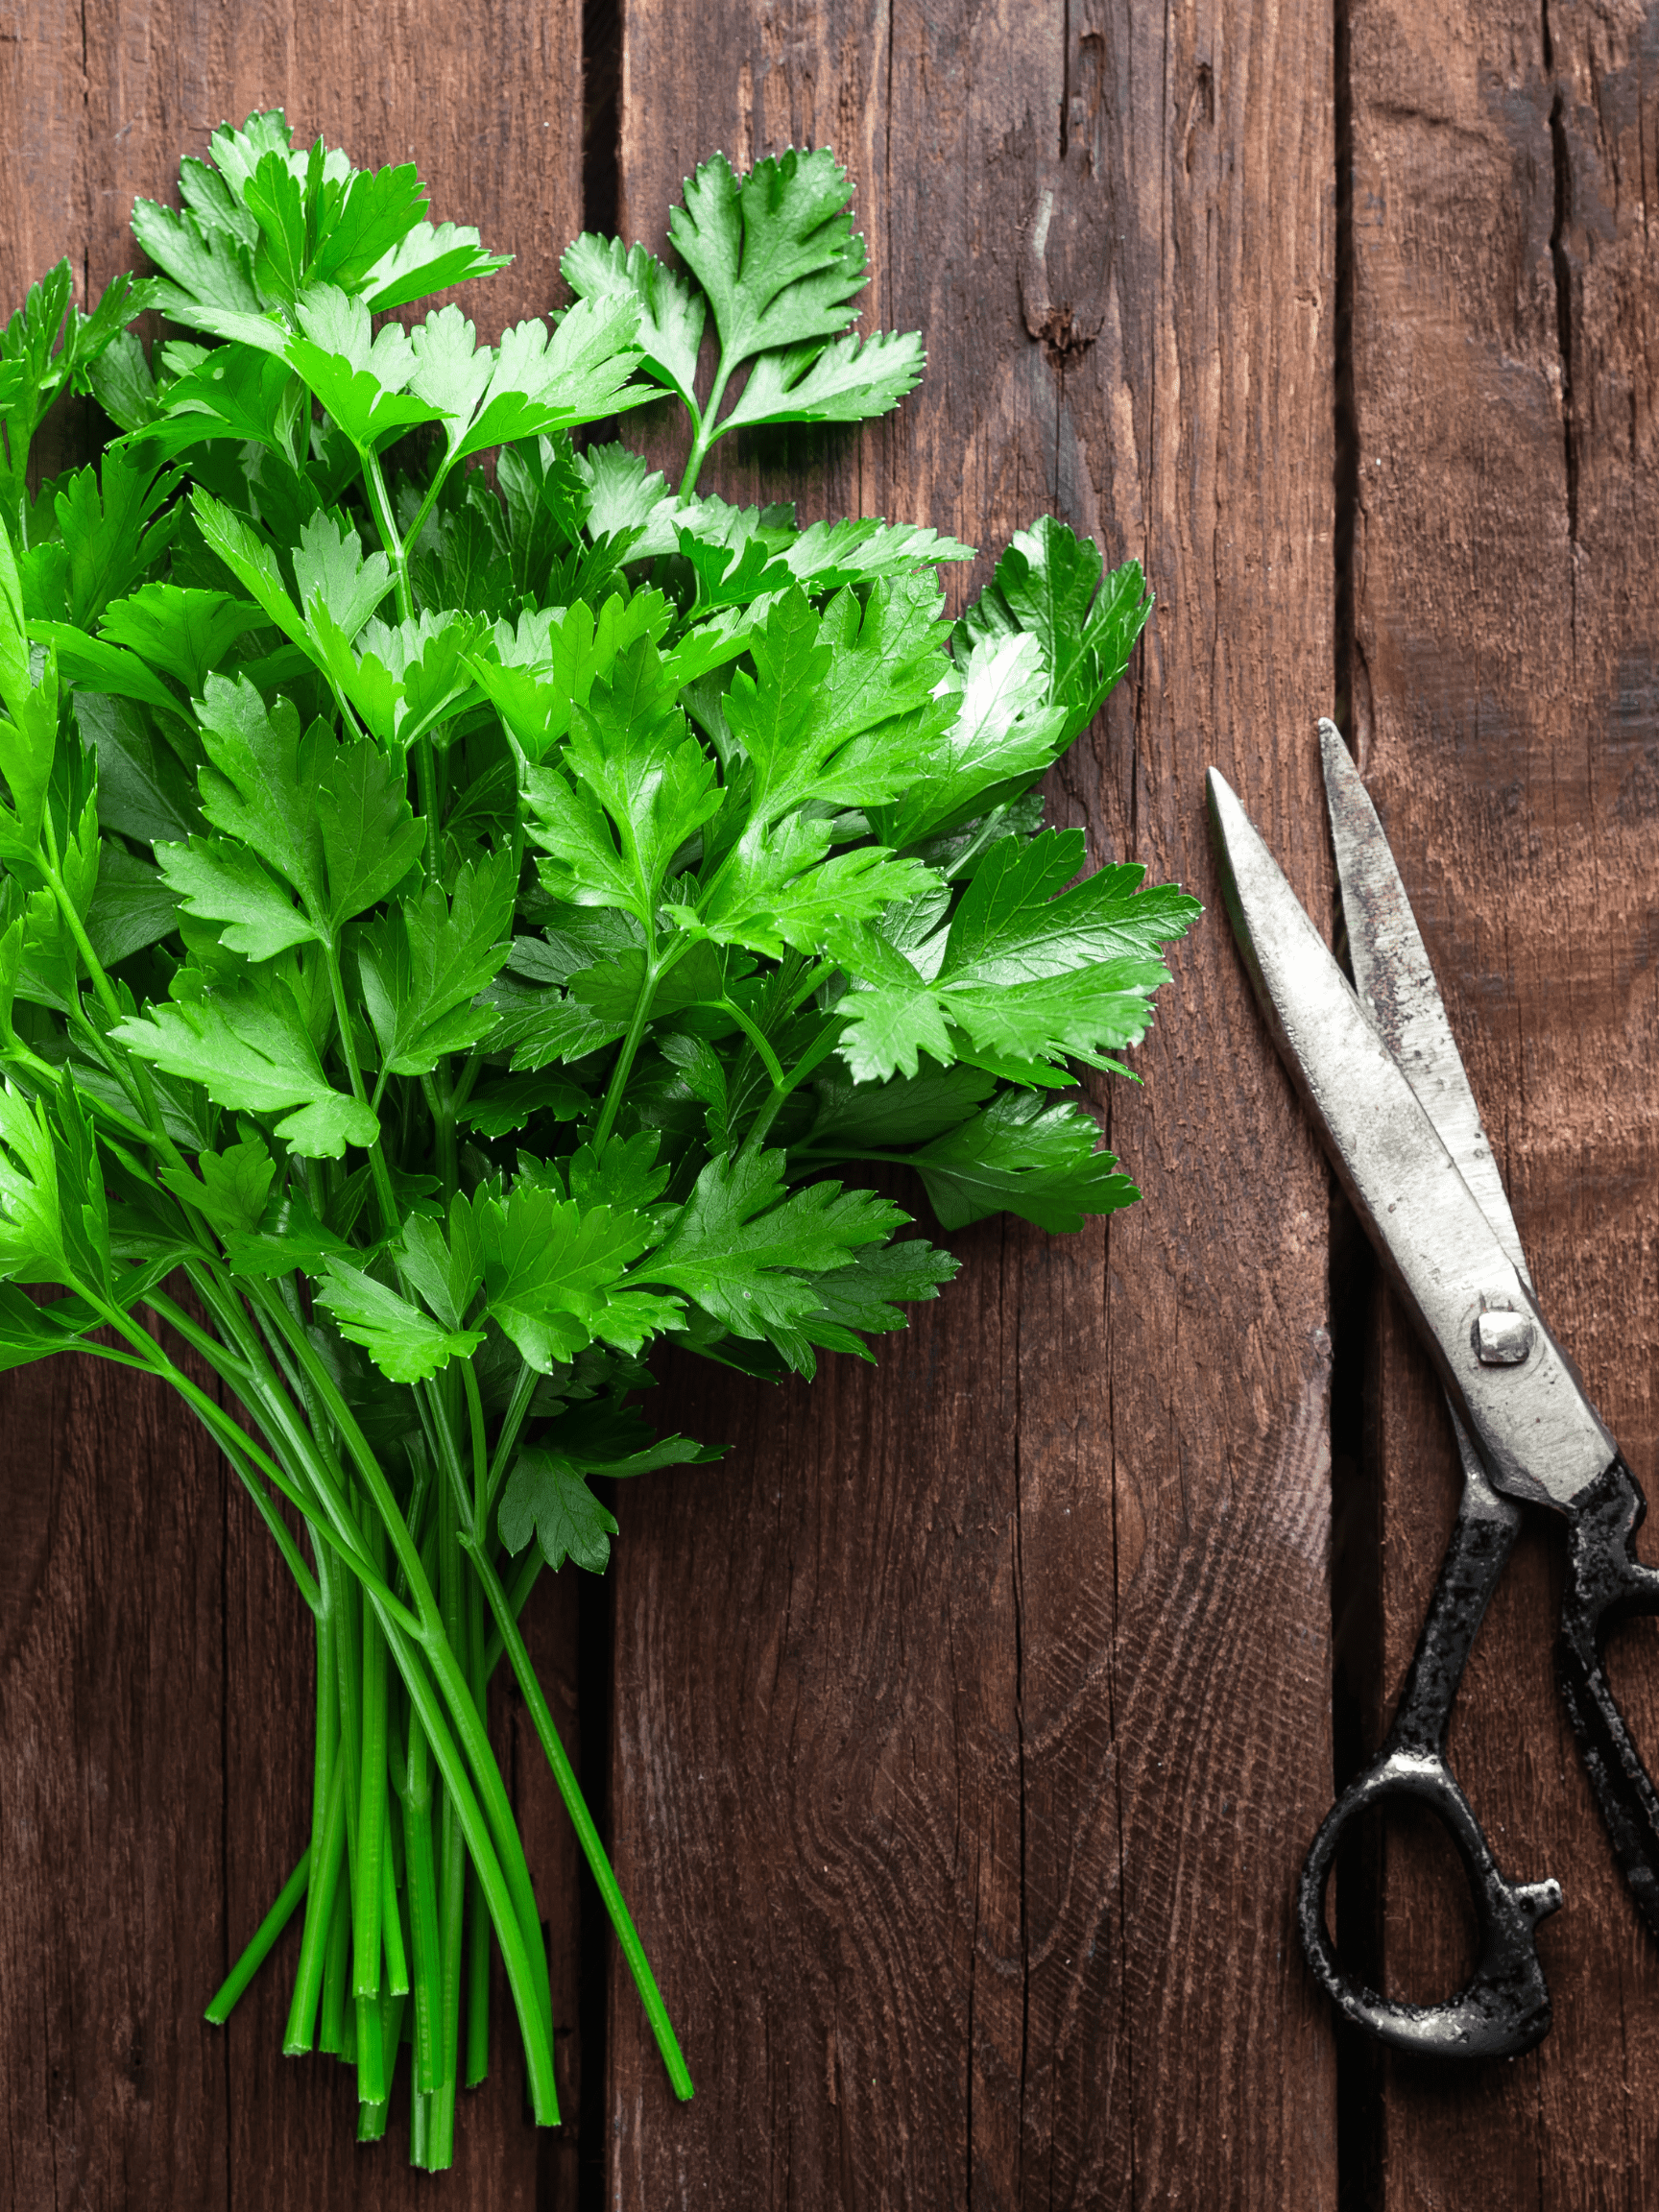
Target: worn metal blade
point(1397, 987)
point(1537, 1433)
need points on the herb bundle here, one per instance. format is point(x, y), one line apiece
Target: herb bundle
point(465, 927)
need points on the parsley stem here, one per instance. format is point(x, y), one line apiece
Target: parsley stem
point(431, 813)
point(77, 928)
point(818, 1051)
point(629, 1047)
point(258, 1950)
point(422, 1887)
point(327, 1835)
point(768, 1057)
point(380, 507)
point(512, 1421)
point(480, 1451)
point(518, 1598)
point(582, 1820)
point(462, 1090)
point(451, 1866)
point(707, 433)
point(487, 1817)
point(391, 1921)
point(377, 1168)
point(372, 1808)
point(523, 1954)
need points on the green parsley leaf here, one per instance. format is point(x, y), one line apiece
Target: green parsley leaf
point(669, 311)
point(250, 1049)
point(774, 250)
point(546, 1497)
point(746, 1253)
point(1022, 1155)
point(1048, 586)
point(425, 965)
point(1025, 978)
point(404, 1343)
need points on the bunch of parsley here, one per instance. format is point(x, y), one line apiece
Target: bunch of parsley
point(461, 927)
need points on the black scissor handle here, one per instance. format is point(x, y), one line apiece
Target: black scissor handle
point(1607, 1583)
point(1504, 2008)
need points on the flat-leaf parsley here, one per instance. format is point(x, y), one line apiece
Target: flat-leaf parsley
point(470, 925)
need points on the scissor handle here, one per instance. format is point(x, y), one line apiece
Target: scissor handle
point(1504, 2009)
point(1607, 1583)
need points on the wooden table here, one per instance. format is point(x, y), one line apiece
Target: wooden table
point(962, 1732)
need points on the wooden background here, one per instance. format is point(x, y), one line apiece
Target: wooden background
point(961, 1734)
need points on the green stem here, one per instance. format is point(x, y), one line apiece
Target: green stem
point(629, 1047)
point(468, 1076)
point(489, 1826)
point(453, 1862)
point(431, 812)
point(77, 928)
point(377, 1167)
point(768, 1057)
point(259, 1949)
point(524, 1958)
point(813, 1057)
point(477, 1919)
point(327, 1852)
point(230, 1438)
point(367, 1895)
point(518, 1408)
point(332, 2030)
point(349, 1675)
point(380, 507)
point(439, 475)
point(707, 433)
point(480, 1451)
point(518, 1598)
point(582, 1820)
point(391, 1927)
point(422, 1888)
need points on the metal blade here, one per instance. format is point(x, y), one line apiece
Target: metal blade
point(1538, 1436)
point(1397, 990)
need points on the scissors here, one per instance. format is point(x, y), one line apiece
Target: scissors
point(1381, 1075)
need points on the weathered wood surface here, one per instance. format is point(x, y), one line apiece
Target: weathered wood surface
point(971, 1717)
point(1506, 619)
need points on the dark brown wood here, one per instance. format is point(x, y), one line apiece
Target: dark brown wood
point(971, 1717)
point(1505, 711)
point(484, 97)
point(112, 1726)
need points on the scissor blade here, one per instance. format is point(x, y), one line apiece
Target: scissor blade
point(1538, 1436)
point(1397, 990)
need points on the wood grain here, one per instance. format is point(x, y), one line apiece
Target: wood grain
point(973, 1716)
point(485, 96)
point(1505, 709)
point(112, 1718)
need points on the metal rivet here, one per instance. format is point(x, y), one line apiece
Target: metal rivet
point(1503, 1339)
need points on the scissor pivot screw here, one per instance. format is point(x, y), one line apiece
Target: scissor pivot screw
point(1503, 1339)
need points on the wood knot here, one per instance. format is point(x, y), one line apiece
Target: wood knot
point(1063, 263)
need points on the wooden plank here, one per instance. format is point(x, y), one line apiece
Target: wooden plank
point(113, 1708)
point(1507, 716)
point(971, 1717)
point(142, 2102)
point(484, 96)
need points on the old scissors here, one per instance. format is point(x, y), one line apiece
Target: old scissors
point(1381, 1075)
